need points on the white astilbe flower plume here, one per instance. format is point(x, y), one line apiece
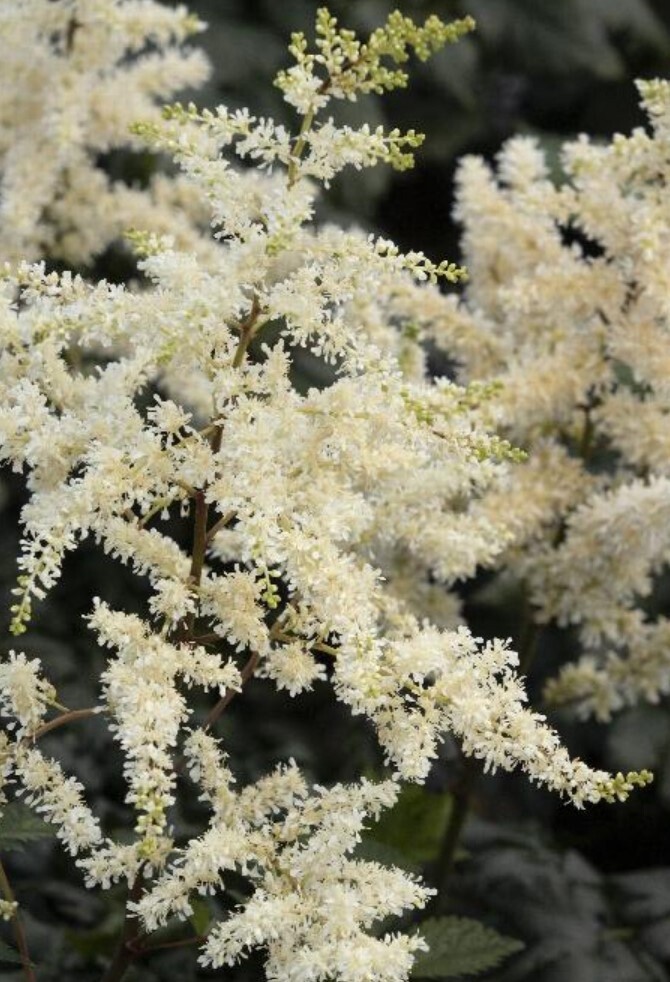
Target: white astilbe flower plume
point(58, 799)
point(567, 314)
point(24, 694)
point(73, 76)
point(312, 902)
point(312, 490)
point(306, 509)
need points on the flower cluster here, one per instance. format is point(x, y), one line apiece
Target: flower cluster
point(342, 66)
point(312, 902)
point(567, 312)
point(326, 524)
point(73, 76)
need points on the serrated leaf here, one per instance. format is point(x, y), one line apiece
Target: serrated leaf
point(460, 946)
point(640, 734)
point(644, 895)
point(19, 826)
point(8, 954)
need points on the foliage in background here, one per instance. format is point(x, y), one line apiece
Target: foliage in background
point(534, 67)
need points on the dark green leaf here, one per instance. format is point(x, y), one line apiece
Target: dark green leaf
point(201, 916)
point(460, 946)
point(372, 851)
point(550, 37)
point(8, 954)
point(635, 18)
point(19, 825)
point(644, 896)
point(415, 825)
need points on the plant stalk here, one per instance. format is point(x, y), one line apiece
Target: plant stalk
point(17, 928)
point(125, 953)
point(230, 694)
point(460, 807)
point(69, 717)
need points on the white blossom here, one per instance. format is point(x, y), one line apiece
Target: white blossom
point(74, 75)
point(310, 510)
point(24, 694)
point(575, 337)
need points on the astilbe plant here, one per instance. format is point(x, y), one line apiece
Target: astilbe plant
point(326, 526)
point(74, 75)
point(567, 316)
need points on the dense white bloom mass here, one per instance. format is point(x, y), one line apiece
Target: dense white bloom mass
point(307, 511)
point(311, 902)
point(568, 311)
point(73, 76)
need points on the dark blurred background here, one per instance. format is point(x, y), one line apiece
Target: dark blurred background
point(553, 68)
point(587, 892)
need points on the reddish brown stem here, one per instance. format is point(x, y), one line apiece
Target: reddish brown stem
point(70, 717)
point(215, 439)
point(199, 538)
point(186, 942)
point(197, 557)
point(17, 928)
point(247, 329)
point(217, 526)
point(126, 951)
point(230, 694)
point(210, 638)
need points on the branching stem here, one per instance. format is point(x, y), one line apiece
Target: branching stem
point(69, 717)
point(230, 694)
point(186, 942)
point(220, 524)
point(460, 806)
point(299, 147)
point(126, 951)
point(17, 928)
point(248, 329)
